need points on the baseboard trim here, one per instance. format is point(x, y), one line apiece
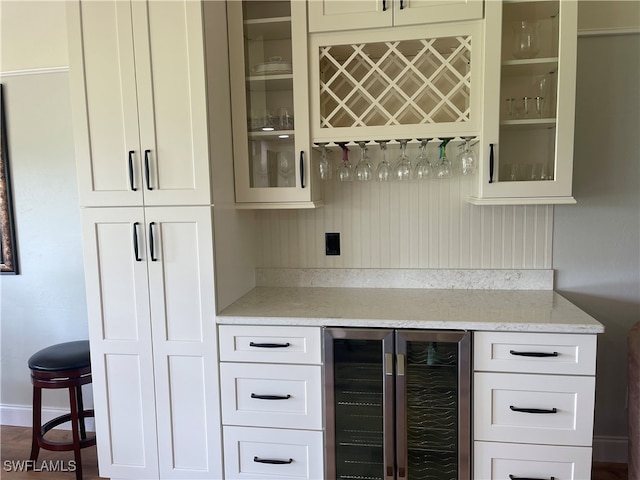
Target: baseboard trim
point(610, 449)
point(20, 416)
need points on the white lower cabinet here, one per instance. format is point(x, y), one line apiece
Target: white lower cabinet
point(529, 423)
point(265, 453)
point(271, 393)
point(503, 461)
point(150, 297)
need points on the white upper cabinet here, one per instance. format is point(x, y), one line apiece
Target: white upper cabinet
point(394, 83)
point(526, 145)
point(270, 104)
point(335, 15)
point(139, 99)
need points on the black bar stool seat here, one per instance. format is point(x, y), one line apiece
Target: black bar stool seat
point(65, 365)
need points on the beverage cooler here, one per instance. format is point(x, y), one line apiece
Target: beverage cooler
point(397, 404)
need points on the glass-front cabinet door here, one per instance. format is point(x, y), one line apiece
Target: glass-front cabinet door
point(269, 95)
point(529, 87)
point(397, 404)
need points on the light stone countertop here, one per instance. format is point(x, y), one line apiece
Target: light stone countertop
point(455, 309)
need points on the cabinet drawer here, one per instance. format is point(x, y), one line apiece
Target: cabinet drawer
point(300, 450)
point(534, 353)
point(497, 461)
point(270, 344)
point(502, 402)
point(282, 396)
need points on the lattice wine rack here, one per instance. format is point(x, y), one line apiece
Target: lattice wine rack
point(405, 82)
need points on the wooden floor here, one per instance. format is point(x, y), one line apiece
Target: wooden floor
point(16, 446)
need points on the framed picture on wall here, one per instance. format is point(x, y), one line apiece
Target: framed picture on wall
point(8, 254)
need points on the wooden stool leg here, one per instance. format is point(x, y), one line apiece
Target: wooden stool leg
point(73, 401)
point(83, 428)
point(36, 423)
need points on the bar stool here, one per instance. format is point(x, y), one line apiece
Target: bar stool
point(65, 365)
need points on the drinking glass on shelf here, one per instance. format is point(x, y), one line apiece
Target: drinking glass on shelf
point(526, 104)
point(510, 107)
point(467, 159)
point(383, 172)
point(363, 170)
point(525, 39)
point(402, 169)
point(324, 166)
point(423, 170)
point(541, 88)
point(345, 171)
point(443, 168)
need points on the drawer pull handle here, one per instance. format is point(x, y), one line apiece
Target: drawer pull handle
point(269, 345)
point(272, 461)
point(513, 477)
point(533, 410)
point(533, 354)
point(270, 397)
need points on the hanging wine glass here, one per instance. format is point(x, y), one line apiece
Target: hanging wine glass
point(345, 171)
point(324, 166)
point(402, 169)
point(423, 170)
point(443, 168)
point(467, 160)
point(383, 172)
point(363, 171)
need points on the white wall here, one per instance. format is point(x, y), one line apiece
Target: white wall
point(45, 304)
point(596, 245)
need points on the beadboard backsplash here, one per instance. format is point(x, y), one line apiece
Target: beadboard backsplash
point(406, 225)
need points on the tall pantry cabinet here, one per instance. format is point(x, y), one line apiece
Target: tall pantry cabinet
point(141, 129)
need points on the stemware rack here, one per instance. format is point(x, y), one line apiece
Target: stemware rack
point(394, 148)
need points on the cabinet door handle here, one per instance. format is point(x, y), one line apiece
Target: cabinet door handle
point(401, 4)
point(302, 168)
point(270, 397)
point(533, 354)
point(269, 345)
point(491, 163)
point(147, 173)
point(136, 249)
point(131, 181)
point(152, 248)
point(533, 410)
point(513, 477)
point(272, 461)
point(384, 5)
